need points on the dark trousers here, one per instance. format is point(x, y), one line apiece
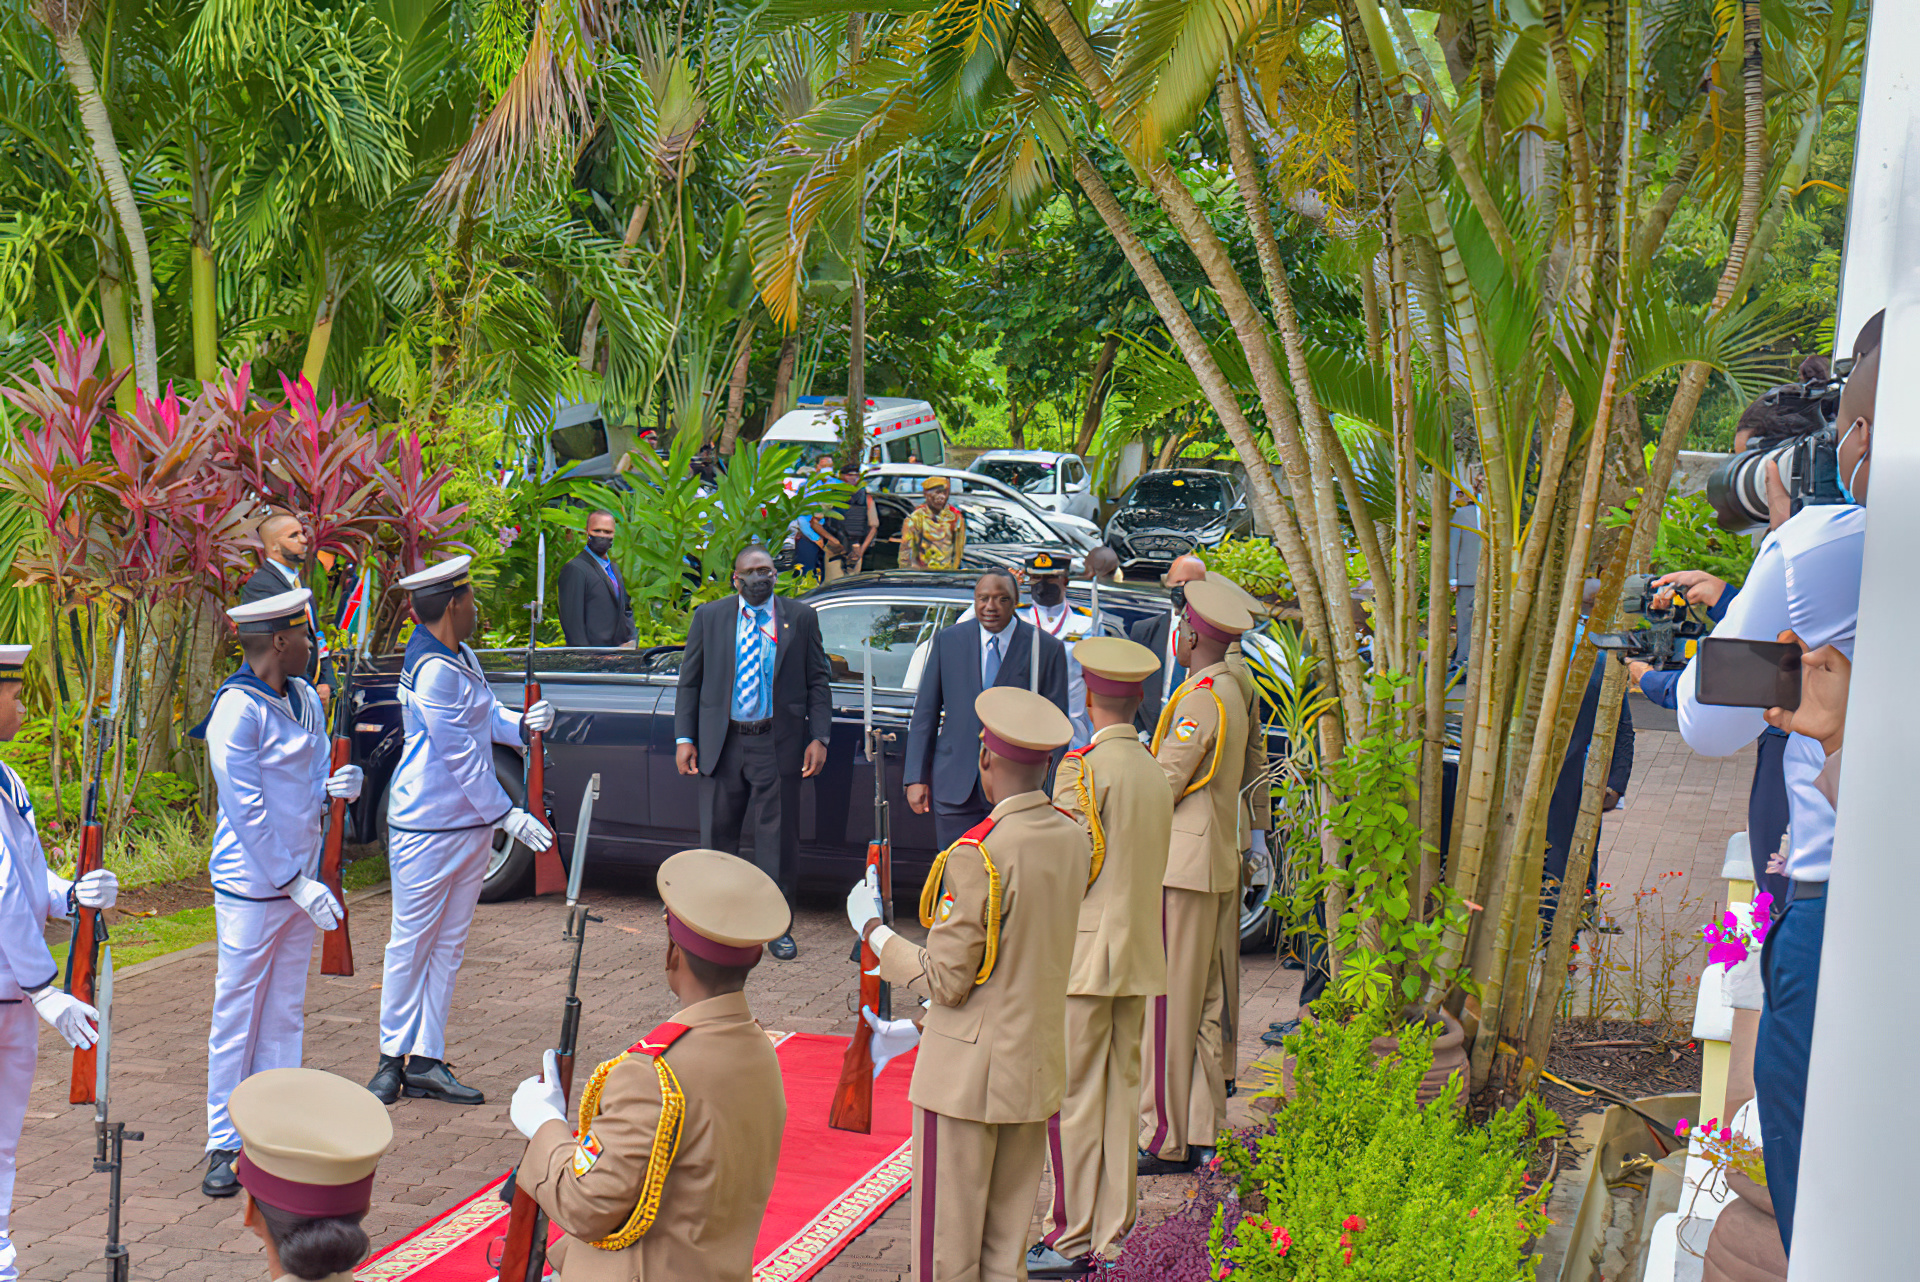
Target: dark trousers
point(1790, 964)
point(748, 775)
point(1767, 814)
point(950, 823)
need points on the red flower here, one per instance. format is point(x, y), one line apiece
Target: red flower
point(1348, 1255)
point(1354, 1224)
point(1472, 1211)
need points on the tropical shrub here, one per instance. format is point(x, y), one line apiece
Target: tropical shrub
point(1355, 1179)
point(1254, 563)
point(1690, 538)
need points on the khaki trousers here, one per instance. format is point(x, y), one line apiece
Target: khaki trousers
point(1091, 1142)
point(973, 1189)
point(1230, 989)
point(1183, 1092)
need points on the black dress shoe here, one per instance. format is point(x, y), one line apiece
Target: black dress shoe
point(220, 1180)
point(1045, 1262)
point(1150, 1164)
point(388, 1079)
point(1202, 1156)
point(783, 948)
point(1278, 1034)
point(432, 1079)
point(1233, 1088)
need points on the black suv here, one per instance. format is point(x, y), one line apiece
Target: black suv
point(1164, 514)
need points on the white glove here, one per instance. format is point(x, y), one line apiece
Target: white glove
point(863, 902)
point(526, 830)
point(538, 1100)
point(316, 901)
point(346, 782)
point(538, 717)
point(891, 1037)
point(70, 1017)
point(98, 889)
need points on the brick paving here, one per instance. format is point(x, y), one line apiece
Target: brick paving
point(508, 1006)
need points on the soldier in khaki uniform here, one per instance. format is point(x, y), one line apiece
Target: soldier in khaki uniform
point(1116, 791)
point(1001, 906)
point(1201, 744)
point(668, 1176)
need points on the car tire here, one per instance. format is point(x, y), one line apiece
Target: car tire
point(1258, 922)
point(509, 862)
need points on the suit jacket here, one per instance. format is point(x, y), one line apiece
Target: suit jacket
point(268, 581)
point(943, 741)
point(802, 697)
point(997, 1052)
point(1155, 633)
point(1563, 811)
point(591, 611)
point(1202, 755)
point(1118, 951)
point(716, 1190)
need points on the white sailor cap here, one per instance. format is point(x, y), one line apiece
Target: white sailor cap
point(275, 614)
point(13, 661)
point(444, 577)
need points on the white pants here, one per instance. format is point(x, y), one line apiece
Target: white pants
point(259, 999)
point(19, 1048)
point(436, 880)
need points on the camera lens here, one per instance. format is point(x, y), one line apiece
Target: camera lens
point(1738, 487)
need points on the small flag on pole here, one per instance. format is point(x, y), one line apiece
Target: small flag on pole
point(354, 604)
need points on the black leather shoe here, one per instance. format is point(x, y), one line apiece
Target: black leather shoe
point(388, 1079)
point(432, 1079)
point(1278, 1034)
point(220, 1180)
point(1233, 1088)
point(1045, 1262)
point(1202, 1156)
point(783, 948)
point(1149, 1164)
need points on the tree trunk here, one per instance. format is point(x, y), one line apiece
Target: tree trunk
point(1016, 431)
point(854, 435)
point(737, 389)
point(325, 312)
point(203, 268)
point(1097, 391)
point(111, 282)
point(783, 377)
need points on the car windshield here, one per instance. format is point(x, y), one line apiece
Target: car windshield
point(1179, 494)
point(1029, 476)
point(995, 520)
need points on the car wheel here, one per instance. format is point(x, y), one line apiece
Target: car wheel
point(1257, 920)
point(509, 863)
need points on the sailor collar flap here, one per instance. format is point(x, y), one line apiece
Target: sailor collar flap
point(293, 705)
point(423, 647)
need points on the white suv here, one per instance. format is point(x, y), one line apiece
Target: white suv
point(1052, 480)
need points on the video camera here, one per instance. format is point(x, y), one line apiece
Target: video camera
point(1663, 641)
point(1809, 465)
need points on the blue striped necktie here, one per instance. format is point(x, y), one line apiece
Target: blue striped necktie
point(752, 664)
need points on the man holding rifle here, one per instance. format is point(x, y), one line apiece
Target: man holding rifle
point(266, 736)
point(30, 896)
point(442, 811)
point(669, 1172)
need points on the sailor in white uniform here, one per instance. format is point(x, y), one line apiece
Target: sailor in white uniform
point(443, 808)
point(266, 735)
point(30, 896)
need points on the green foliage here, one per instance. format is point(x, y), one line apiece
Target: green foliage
point(159, 808)
point(1254, 563)
point(1356, 1179)
point(1691, 539)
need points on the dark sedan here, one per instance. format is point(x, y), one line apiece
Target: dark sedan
point(1167, 513)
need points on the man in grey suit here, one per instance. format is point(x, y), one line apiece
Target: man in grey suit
point(943, 742)
point(753, 716)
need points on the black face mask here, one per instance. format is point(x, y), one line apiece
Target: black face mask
point(1179, 594)
point(599, 544)
point(1048, 592)
point(755, 591)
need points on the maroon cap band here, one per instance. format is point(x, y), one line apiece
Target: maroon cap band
point(1206, 629)
point(314, 1201)
point(1012, 751)
point(710, 950)
point(1111, 688)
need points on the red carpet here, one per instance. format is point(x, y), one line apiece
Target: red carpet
point(830, 1186)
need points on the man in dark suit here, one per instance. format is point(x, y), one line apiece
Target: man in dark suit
point(942, 765)
point(284, 540)
point(1156, 633)
point(753, 716)
point(594, 609)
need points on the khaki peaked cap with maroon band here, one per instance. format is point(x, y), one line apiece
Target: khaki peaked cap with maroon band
point(720, 907)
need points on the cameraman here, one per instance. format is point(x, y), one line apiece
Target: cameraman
point(1805, 580)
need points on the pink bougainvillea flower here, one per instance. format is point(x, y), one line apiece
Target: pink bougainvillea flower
point(1347, 1255)
point(1680, 1127)
point(1473, 1212)
point(1354, 1224)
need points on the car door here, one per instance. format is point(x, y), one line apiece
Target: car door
point(1079, 485)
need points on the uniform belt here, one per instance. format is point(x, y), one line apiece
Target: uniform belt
point(762, 726)
point(1807, 890)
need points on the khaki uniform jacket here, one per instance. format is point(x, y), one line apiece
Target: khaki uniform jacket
point(1118, 951)
point(716, 1190)
point(1204, 854)
point(1260, 800)
point(997, 1052)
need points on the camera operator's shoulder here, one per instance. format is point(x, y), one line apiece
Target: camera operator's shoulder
point(1816, 526)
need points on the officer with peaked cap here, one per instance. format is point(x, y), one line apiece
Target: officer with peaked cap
point(443, 807)
point(1001, 906)
point(311, 1141)
point(31, 895)
point(1050, 613)
point(669, 1171)
point(1201, 745)
point(266, 736)
point(1117, 793)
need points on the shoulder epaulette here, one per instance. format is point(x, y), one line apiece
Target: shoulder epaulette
point(979, 831)
point(1204, 683)
point(655, 1043)
point(666, 1137)
point(1080, 752)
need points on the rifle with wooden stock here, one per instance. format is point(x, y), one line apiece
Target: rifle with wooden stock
point(90, 924)
point(548, 875)
point(523, 1255)
point(336, 947)
point(852, 1108)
